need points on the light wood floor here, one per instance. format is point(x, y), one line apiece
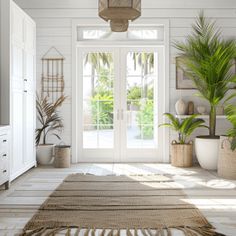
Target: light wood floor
point(215, 197)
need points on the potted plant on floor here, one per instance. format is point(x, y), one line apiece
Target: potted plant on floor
point(207, 60)
point(181, 150)
point(227, 154)
point(50, 124)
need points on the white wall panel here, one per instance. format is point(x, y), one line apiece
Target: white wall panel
point(54, 17)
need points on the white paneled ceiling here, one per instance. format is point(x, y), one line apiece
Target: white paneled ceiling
point(146, 4)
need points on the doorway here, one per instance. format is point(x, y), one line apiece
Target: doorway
point(121, 102)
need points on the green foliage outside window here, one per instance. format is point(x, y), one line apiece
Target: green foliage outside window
point(145, 120)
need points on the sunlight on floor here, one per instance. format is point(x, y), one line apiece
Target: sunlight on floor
point(219, 184)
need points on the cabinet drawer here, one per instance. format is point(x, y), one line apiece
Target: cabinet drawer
point(3, 142)
point(4, 176)
point(4, 168)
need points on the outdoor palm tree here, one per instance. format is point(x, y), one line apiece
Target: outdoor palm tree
point(146, 61)
point(96, 60)
point(207, 60)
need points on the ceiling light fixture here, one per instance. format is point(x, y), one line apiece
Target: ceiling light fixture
point(119, 13)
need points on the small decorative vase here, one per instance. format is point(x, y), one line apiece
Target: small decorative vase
point(190, 108)
point(180, 107)
point(201, 110)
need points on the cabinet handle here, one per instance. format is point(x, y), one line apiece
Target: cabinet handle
point(25, 91)
point(25, 80)
point(4, 141)
point(4, 155)
point(5, 171)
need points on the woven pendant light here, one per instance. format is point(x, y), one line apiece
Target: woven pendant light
point(119, 13)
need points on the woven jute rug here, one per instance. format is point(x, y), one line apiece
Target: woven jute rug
point(108, 205)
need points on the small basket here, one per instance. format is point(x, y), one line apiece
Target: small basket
point(62, 156)
point(181, 154)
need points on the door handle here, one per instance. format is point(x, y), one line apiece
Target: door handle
point(122, 114)
point(118, 114)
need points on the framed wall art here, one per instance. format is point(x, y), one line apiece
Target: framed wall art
point(183, 82)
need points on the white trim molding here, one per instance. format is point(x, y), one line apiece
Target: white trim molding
point(155, 22)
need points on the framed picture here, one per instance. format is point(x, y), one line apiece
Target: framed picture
point(233, 71)
point(183, 82)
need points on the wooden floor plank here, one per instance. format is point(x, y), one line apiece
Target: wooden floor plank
point(215, 197)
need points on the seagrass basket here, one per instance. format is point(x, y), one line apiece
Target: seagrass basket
point(227, 159)
point(62, 156)
point(181, 154)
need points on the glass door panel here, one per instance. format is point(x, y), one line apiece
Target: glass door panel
point(98, 100)
point(141, 80)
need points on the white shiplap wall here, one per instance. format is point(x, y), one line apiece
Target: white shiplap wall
point(53, 19)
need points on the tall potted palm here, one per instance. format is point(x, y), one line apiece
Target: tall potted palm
point(50, 123)
point(207, 59)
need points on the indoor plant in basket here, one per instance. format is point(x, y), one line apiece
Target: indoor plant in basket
point(227, 154)
point(207, 60)
point(50, 124)
point(181, 150)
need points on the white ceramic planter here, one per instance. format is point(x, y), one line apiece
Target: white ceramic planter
point(207, 152)
point(45, 154)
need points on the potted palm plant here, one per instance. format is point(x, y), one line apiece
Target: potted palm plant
point(207, 60)
point(227, 154)
point(182, 150)
point(50, 124)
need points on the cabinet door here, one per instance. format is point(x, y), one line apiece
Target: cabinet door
point(29, 127)
point(17, 62)
point(17, 24)
point(17, 161)
point(29, 92)
point(30, 31)
point(29, 77)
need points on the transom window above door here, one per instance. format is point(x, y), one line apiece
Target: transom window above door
point(134, 33)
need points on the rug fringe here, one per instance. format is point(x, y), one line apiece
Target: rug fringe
point(161, 231)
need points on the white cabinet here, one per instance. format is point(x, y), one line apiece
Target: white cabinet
point(4, 156)
point(18, 85)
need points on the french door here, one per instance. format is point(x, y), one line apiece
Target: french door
point(121, 103)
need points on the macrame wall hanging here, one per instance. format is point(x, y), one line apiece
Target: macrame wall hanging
point(52, 82)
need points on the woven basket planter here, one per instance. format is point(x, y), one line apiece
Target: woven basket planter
point(181, 154)
point(227, 160)
point(62, 156)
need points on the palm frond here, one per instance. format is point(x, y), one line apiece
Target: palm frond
point(174, 122)
point(49, 118)
point(184, 127)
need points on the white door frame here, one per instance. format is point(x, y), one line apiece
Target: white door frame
point(75, 84)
